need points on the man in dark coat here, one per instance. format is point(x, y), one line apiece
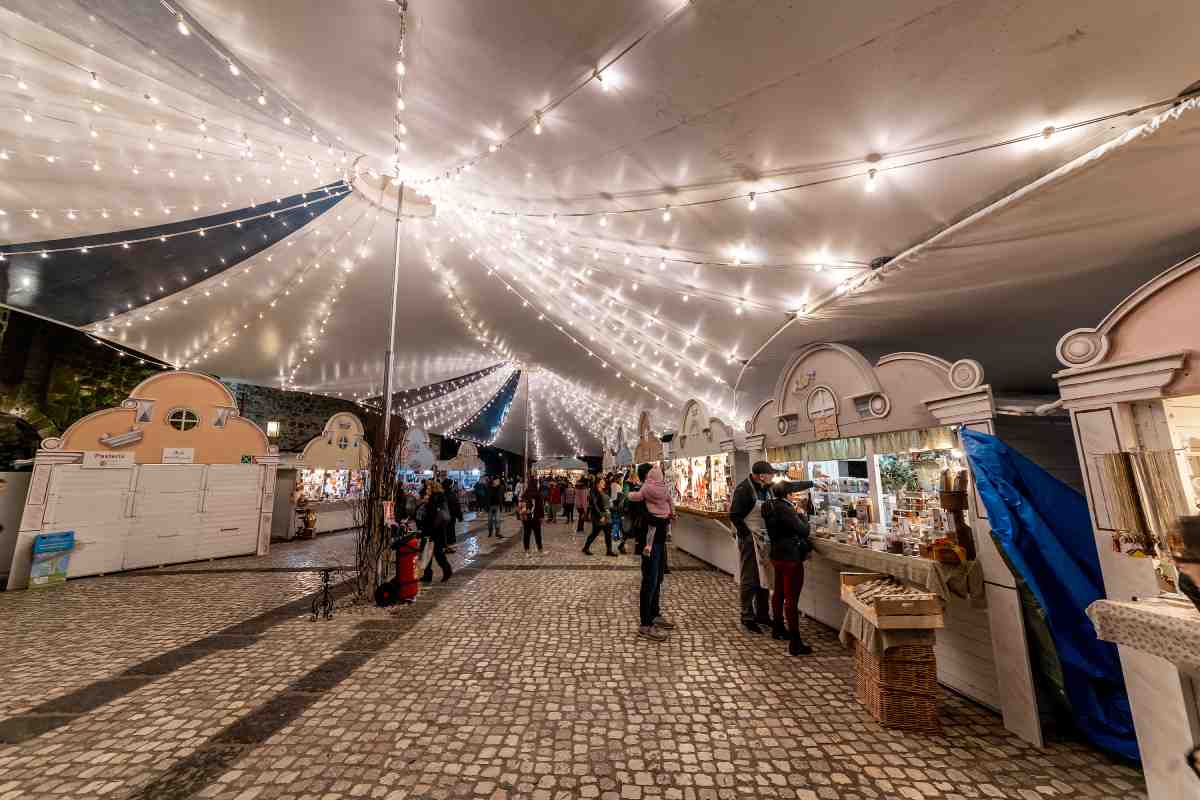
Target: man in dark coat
point(754, 598)
point(495, 504)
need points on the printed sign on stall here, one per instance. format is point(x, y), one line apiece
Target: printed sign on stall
point(102, 459)
point(179, 455)
point(51, 557)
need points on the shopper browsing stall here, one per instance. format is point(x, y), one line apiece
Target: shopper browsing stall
point(750, 493)
point(790, 546)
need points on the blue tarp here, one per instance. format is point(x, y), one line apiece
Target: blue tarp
point(1044, 531)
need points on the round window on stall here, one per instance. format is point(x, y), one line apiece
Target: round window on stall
point(183, 419)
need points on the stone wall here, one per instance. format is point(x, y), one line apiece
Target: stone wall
point(301, 416)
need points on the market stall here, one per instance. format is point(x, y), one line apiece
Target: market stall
point(174, 474)
point(331, 475)
point(464, 469)
point(883, 437)
point(560, 467)
point(1132, 387)
point(416, 460)
point(704, 462)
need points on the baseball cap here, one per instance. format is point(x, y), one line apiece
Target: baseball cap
point(763, 468)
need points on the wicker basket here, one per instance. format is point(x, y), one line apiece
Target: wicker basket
point(899, 688)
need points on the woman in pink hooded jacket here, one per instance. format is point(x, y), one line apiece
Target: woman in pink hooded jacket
point(660, 510)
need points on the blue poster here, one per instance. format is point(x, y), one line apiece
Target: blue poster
point(51, 556)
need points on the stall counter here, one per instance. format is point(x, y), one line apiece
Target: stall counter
point(707, 535)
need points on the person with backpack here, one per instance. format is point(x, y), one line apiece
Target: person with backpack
point(433, 519)
point(617, 493)
point(599, 510)
point(790, 547)
point(530, 510)
point(655, 497)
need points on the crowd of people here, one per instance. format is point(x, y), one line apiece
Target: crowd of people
point(637, 506)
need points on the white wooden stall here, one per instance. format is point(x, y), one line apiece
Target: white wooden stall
point(172, 475)
point(1130, 383)
point(981, 653)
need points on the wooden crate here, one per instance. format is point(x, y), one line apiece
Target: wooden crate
point(922, 614)
point(899, 687)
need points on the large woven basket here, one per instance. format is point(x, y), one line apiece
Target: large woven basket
point(899, 688)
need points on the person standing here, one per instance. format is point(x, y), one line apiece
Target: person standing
point(480, 493)
point(433, 520)
point(568, 501)
point(555, 497)
point(618, 498)
point(495, 504)
point(599, 509)
point(530, 510)
point(518, 489)
point(454, 506)
point(655, 498)
point(749, 494)
point(790, 546)
point(582, 494)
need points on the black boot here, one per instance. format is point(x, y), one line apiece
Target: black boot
point(778, 631)
point(797, 647)
point(751, 626)
point(446, 574)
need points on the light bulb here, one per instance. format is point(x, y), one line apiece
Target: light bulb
point(95, 166)
point(751, 203)
point(93, 133)
point(1047, 134)
point(28, 117)
point(400, 68)
point(183, 28)
point(666, 215)
point(21, 84)
point(662, 263)
point(158, 126)
point(95, 81)
point(686, 298)
point(871, 185)
point(841, 288)
point(233, 69)
point(262, 98)
point(537, 125)
point(287, 119)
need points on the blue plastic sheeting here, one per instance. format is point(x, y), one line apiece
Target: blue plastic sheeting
point(1044, 531)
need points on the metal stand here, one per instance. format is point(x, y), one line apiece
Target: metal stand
point(322, 604)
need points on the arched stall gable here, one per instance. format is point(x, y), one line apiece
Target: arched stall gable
point(707, 458)
point(833, 412)
point(1132, 387)
point(172, 474)
point(331, 473)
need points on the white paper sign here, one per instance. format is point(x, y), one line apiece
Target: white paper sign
point(179, 455)
point(101, 459)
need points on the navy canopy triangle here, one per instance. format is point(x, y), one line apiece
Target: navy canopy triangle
point(86, 279)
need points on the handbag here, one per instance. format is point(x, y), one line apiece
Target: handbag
point(426, 555)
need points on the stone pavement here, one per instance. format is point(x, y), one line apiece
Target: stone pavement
point(519, 678)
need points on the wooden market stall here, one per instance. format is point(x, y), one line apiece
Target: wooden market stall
point(704, 461)
point(332, 473)
point(174, 474)
point(560, 467)
point(1132, 387)
point(883, 437)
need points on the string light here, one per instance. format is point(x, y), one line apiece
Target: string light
point(751, 202)
point(871, 184)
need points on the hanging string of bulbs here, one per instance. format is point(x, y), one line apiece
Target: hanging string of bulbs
point(870, 175)
point(508, 388)
point(208, 129)
point(46, 252)
point(536, 121)
point(456, 404)
point(698, 367)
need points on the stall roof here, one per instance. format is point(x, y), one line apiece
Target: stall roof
point(791, 101)
point(563, 463)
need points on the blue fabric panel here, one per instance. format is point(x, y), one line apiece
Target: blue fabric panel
point(1045, 532)
point(485, 427)
point(81, 288)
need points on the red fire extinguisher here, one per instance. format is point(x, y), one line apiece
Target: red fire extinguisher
point(408, 551)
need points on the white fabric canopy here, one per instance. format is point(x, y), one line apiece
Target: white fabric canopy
point(560, 463)
point(715, 100)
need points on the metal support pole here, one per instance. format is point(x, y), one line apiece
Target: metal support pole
point(388, 370)
point(528, 403)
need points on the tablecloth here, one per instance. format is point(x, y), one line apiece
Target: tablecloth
point(963, 581)
point(1166, 628)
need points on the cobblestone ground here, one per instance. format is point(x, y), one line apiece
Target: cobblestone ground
point(519, 678)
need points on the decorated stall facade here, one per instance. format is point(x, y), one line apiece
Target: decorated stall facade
point(705, 459)
point(416, 459)
point(649, 447)
point(174, 474)
point(882, 437)
point(331, 474)
point(1132, 387)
